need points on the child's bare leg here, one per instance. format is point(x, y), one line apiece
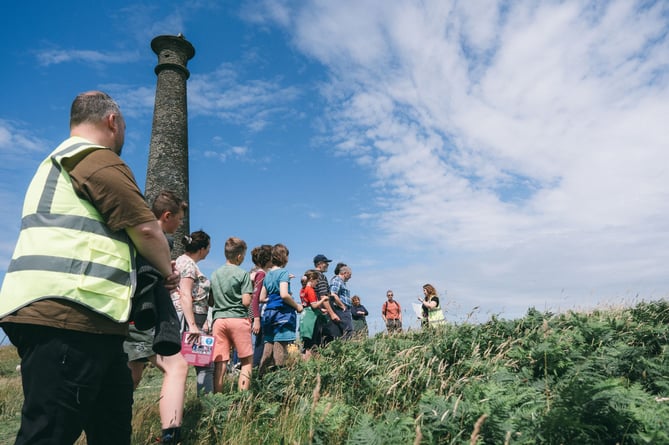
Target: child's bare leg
point(265, 361)
point(280, 352)
point(173, 391)
point(245, 373)
point(219, 374)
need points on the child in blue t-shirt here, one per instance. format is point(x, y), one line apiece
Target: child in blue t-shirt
point(279, 321)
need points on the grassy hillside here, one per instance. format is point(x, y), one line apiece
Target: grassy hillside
point(574, 378)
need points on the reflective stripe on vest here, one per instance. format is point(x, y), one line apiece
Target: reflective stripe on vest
point(65, 249)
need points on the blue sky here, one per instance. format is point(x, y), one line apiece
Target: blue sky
point(511, 153)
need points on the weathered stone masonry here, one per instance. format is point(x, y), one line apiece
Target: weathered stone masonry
point(168, 152)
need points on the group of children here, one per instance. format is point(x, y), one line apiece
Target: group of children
point(260, 303)
point(238, 322)
point(254, 313)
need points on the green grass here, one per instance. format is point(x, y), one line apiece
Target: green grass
point(11, 396)
point(586, 378)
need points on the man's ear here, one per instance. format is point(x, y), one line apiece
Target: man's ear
point(113, 122)
point(165, 215)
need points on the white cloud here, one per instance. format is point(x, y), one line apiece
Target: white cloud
point(226, 151)
point(527, 139)
point(146, 21)
point(58, 56)
point(134, 101)
point(250, 103)
point(19, 147)
point(264, 12)
point(16, 141)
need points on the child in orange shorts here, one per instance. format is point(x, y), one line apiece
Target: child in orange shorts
point(231, 287)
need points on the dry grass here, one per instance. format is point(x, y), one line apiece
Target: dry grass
point(11, 395)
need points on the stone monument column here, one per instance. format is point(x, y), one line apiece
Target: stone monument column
point(168, 153)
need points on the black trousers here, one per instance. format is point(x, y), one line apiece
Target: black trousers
point(72, 382)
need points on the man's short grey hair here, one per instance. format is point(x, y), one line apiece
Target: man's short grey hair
point(92, 106)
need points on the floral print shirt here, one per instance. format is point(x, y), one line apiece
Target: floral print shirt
point(187, 268)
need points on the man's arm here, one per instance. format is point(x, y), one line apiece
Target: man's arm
point(151, 243)
point(337, 301)
point(325, 302)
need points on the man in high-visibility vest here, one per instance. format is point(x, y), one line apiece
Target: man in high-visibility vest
point(66, 297)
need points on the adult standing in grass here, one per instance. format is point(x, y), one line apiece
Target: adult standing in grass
point(66, 298)
point(279, 321)
point(391, 312)
point(359, 314)
point(432, 313)
point(329, 327)
point(341, 301)
point(192, 299)
point(231, 288)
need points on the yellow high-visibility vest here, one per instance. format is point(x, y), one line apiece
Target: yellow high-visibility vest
point(435, 315)
point(65, 250)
